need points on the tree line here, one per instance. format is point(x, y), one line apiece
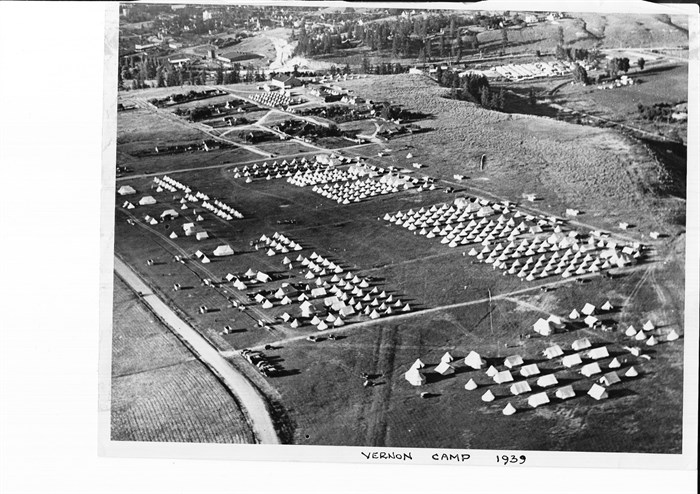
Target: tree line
point(423, 37)
point(471, 87)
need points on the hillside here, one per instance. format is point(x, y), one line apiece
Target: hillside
point(567, 165)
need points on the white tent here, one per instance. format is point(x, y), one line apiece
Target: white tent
point(488, 396)
point(147, 200)
point(223, 250)
point(580, 344)
point(415, 377)
point(597, 392)
point(631, 372)
point(262, 277)
point(543, 327)
point(503, 377)
point(553, 352)
point(598, 353)
point(590, 321)
point(471, 385)
point(529, 370)
point(590, 369)
point(447, 357)
point(565, 392)
point(509, 409)
point(520, 388)
point(125, 190)
point(513, 361)
point(588, 309)
point(444, 369)
point(609, 379)
point(571, 360)
point(201, 235)
point(169, 212)
point(548, 380)
point(538, 399)
point(418, 364)
point(474, 360)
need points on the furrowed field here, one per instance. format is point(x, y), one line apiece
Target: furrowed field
point(160, 391)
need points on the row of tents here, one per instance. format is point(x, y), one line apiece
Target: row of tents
point(459, 227)
point(281, 169)
point(515, 364)
point(354, 191)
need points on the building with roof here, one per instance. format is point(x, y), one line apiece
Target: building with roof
point(285, 81)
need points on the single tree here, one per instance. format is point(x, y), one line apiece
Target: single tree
point(640, 63)
point(531, 98)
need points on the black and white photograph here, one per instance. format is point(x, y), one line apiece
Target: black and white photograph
point(408, 232)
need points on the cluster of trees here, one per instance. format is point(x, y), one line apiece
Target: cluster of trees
point(422, 37)
point(382, 68)
point(580, 74)
point(471, 87)
point(574, 54)
point(657, 111)
point(617, 65)
point(316, 44)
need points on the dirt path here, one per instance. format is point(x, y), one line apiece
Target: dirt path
point(252, 402)
point(398, 317)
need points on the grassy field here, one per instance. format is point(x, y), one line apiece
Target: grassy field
point(160, 391)
point(607, 176)
point(592, 30)
point(567, 165)
point(661, 85)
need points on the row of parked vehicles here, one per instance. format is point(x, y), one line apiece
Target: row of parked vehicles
point(261, 362)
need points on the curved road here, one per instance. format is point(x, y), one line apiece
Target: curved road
point(252, 402)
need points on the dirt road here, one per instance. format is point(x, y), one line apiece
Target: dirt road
point(251, 401)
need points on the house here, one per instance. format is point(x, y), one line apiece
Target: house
point(285, 81)
point(178, 60)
